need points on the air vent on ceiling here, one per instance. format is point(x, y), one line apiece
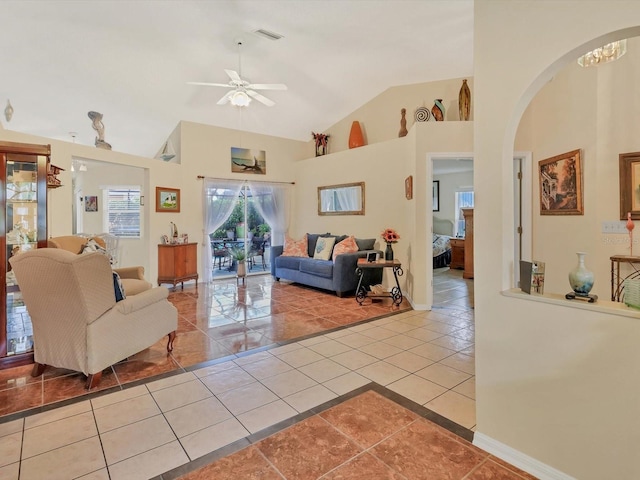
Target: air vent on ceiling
point(267, 34)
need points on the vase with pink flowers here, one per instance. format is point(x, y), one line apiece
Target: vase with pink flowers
point(390, 236)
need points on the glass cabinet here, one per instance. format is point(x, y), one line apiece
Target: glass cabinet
point(23, 227)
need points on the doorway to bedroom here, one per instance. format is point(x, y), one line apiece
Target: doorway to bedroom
point(452, 197)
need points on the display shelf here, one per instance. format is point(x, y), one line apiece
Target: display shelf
point(23, 175)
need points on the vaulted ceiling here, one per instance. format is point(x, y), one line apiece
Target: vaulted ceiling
point(131, 61)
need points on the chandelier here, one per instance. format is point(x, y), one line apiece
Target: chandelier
point(608, 53)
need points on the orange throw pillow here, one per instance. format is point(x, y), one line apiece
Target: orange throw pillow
point(295, 248)
point(348, 245)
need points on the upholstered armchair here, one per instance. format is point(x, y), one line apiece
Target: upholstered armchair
point(133, 280)
point(77, 323)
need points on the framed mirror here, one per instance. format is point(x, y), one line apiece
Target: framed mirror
point(345, 199)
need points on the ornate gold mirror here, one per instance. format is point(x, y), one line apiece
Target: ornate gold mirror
point(345, 199)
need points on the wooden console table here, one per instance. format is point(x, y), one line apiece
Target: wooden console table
point(361, 291)
point(617, 278)
point(177, 263)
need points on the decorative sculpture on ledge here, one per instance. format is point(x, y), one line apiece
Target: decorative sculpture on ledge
point(98, 126)
point(321, 143)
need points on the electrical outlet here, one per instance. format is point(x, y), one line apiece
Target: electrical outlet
point(614, 227)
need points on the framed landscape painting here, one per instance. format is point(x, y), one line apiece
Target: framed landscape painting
point(167, 199)
point(245, 160)
point(561, 185)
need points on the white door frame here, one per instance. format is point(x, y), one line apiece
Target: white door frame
point(525, 212)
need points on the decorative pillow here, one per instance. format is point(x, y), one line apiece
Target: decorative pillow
point(295, 248)
point(118, 288)
point(324, 247)
point(92, 246)
point(348, 245)
point(312, 238)
point(365, 243)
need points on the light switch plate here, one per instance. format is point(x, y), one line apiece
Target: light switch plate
point(614, 227)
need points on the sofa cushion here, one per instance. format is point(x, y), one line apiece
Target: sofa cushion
point(292, 263)
point(319, 268)
point(365, 243)
point(324, 247)
point(295, 248)
point(348, 245)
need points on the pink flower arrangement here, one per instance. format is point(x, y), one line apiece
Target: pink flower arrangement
point(389, 235)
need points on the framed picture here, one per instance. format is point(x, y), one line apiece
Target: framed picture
point(408, 187)
point(245, 160)
point(436, 195)
point(91, 204)
point(630, 185)
point(561, 185)
point(167, 199)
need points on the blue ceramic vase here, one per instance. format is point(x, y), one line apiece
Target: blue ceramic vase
point(581, 279)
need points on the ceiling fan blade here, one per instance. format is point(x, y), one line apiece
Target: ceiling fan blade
point(260, 98)
point(267, 86)
point(225, 99)
point(210, 84)
point(233, 75)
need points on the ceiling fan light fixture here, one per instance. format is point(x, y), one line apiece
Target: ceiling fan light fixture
point(240, 99)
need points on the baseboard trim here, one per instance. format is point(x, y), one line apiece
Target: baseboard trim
point(415, 306)
point(518, 459)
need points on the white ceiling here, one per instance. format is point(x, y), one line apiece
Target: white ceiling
point(130, 60)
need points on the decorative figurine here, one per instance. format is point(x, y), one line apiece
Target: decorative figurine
point(98, 126)
point(630, 227)
point(321, 143)
point(403, 123)
point(8, 111)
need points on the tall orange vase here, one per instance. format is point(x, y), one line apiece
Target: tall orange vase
point(356, 139)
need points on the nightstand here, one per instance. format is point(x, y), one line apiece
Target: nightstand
point(457, 253)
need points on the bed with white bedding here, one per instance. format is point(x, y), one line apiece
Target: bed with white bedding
point(442, 234)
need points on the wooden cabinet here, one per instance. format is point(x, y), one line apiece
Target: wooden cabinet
point(468, 242)
point(23, 176)
point(457, 253)
point(178, 263)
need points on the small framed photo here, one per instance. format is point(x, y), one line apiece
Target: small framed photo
point(91, 204)
point(408, 187)
point(372, 257)
point(436, 195)
point(167, 199)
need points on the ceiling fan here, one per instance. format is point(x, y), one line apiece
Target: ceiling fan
point(243, 91)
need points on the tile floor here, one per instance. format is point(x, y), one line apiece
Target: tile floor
point(147, 428)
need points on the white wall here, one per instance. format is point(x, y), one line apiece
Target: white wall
point(451, 183)
point(554, 382)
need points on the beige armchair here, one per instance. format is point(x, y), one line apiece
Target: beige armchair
point(133, 280)
point(77, 323)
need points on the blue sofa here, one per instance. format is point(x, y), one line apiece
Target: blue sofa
point(339, 276)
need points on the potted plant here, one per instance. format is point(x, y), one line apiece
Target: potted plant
point(238, 255)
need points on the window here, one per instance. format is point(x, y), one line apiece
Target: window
point(463, 200)
point(122, 211)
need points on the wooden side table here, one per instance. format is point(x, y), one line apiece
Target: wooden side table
point(361, 291)
point(617, 278)
point(457, 253)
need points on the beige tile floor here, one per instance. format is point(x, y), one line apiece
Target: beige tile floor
point(143, 431)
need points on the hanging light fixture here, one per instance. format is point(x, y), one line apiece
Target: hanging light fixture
point(240, 98)
point(610, 52)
